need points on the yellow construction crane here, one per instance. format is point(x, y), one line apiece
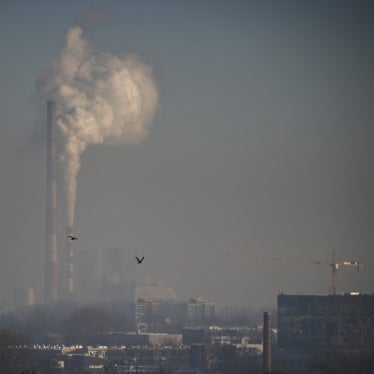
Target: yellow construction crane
point(334, 264)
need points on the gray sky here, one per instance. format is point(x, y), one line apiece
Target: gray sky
point(262, 143)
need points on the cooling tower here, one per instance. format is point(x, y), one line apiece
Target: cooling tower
point(51, 275)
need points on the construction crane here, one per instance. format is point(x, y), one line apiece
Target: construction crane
point(334, 264)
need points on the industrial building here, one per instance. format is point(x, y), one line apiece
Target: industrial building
point(315, 322)
point(23, 297)
point(104, 275)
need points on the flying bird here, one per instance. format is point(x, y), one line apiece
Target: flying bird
point(139, 261)
point(72, 237)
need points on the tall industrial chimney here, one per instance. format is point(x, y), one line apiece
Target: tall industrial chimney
point(266, 351)
point(69, 266)
point(51, 274)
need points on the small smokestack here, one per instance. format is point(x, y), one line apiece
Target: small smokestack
point(51, 275)
point(69, 265)
point(266, 351)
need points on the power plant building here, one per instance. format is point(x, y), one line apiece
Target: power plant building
point(104, 275)
point(23, 297)
point(340, 322)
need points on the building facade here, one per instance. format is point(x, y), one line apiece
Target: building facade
point(201, 312)
point(342, 322)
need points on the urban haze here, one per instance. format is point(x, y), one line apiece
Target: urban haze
point(246, 128)
point(262, 143)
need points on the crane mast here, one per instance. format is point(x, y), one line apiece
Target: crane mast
point(334, 264)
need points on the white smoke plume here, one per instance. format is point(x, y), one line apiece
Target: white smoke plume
point(101, 99)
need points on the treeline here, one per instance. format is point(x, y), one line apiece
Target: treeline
point(244, 316)
point(68, 323)
point(17, 357)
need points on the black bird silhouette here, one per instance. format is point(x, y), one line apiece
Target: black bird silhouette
point(139, 261)
point(72, 237)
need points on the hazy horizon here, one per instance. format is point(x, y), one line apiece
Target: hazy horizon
point(262, 142)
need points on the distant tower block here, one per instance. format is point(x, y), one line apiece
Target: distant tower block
point(50, 268)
